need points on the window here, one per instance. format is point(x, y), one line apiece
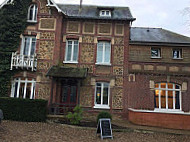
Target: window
point(32, 13)
point(23, 88)
point(155, 53)
point(177, 54)
point(71, 54)
point(102, 95)
point(28, 46)
point(167, 96)
point(106, 13)
point(103, 53)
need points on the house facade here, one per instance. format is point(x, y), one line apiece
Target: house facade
point(91, 56)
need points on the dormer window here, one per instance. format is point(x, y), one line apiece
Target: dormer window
point(106, 13)
point(32, 13)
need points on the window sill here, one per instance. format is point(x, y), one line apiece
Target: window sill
point(177, 58)
point(70, 62)
point(101, 106)
point(103, 64)
point(29, 21)
point(156, 57)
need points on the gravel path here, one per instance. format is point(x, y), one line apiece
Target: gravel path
point(12, 131)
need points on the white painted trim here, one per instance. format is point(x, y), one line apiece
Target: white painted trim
point(72, 52)
point(35, 11)
point(157, 111)
point(101, 106)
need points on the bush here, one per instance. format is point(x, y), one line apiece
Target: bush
point(75, 117)
point(24, 109)
point(104, 114)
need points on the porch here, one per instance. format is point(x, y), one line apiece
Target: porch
point(65, 89)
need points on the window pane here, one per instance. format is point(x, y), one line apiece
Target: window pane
point(98, 95)
point(155, 52)
point(75, 54)
point(15, 90)
point(163, 99)
point(107, 53)
point(21, 90)
point(64, 94)
point(28, 90)
point(105, 96)
point(33, 46)
point(170, 86)
point(107, 13)
point(31, 12)
point(35, 14)
point(170, 99)
point(26, 46)
point(177, 102)
point(156, 99)
point(163, 85)
point(69, 50)
point(156, 85)
point(73, 94)
point(100, 53)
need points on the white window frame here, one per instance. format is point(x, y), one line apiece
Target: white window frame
point(72, 52)
point(102, 106)
point(180, 53)
point(103, 13)
point(158, 50)
point(34, 13)
point(26, 81)
point(103, 54)
point(30, 45)
point(168, 89)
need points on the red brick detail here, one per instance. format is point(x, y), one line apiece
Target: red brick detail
point(165, 120)
point(104, 39)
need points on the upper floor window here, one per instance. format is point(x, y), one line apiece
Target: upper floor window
point(23, 88)
point(71, 54)
point(177, 53)
point(168, 96)
point(102, 95)
point(103, 52)
point(155, 53)
point(28, 45)
point(32, 13)
point(106, 13)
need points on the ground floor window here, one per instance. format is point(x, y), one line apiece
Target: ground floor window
point(102, 95)
point(23, 88)
point(168, 96)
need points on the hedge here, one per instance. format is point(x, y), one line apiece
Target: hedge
point(24, 109)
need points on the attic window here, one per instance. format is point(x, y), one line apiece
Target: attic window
point(106, 13)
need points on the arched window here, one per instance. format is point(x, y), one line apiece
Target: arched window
point(32, 13)
point(167, 96)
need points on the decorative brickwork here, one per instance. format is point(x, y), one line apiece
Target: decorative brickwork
point(118, 54)
point(44, 65)
point(85, 96)
point(89, 67)
point(73, 27)
point(87, 54)
point(44, 91)
point(104, 28)
point(119, 40)
point(43, 8)
point(103, 69)
point(47, 35)
point(118, 70)
point(119, 30)
point(117, 98)
point(47, 24)
point(46, 50)
point(88, 39)
point(119, 81)
point(89, 28)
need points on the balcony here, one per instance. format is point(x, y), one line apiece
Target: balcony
point(23, 61)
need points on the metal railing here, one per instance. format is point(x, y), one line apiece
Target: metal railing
point(23, 61)
point(60, 109)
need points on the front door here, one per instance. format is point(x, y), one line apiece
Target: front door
point(69, 95)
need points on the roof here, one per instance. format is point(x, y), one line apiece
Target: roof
point(66, 72)
point(156, 35)
point(92, 12)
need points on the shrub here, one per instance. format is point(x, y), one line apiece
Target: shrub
point(75, 117)
point(104, 114)
point(24, 109)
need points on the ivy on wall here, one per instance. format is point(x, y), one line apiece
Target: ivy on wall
point(13, 22)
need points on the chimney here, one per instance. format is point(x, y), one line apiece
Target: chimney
point(80, 4)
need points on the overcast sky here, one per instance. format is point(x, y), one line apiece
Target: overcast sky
point(167, 14)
